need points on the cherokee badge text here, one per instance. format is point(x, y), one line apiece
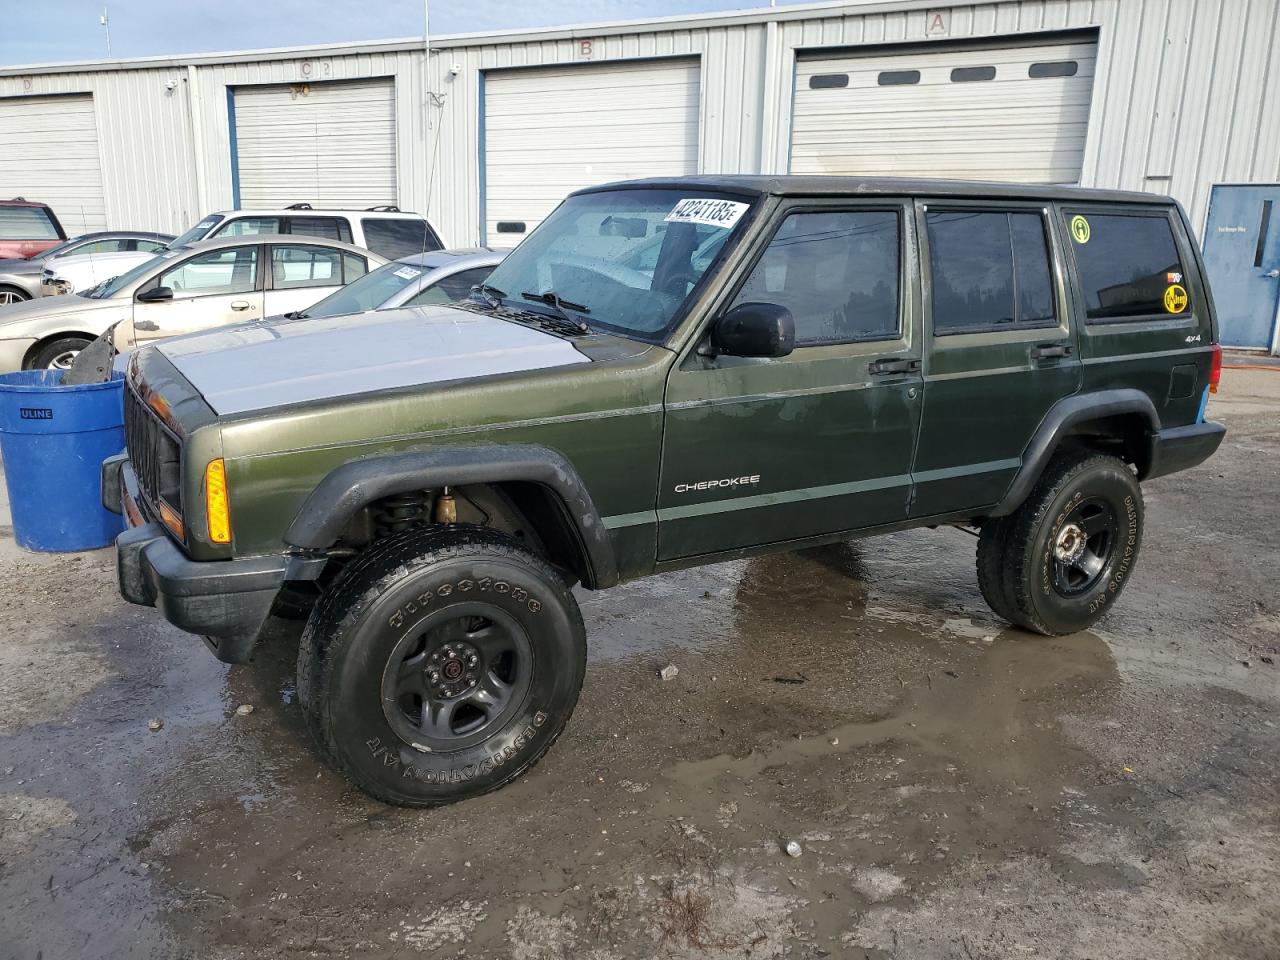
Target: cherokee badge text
point(730, 482)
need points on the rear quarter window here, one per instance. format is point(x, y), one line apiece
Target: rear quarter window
point(27, 223)
point(1128, 265)
point(395, 239)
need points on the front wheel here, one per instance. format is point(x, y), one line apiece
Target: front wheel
point(10, 295)
point(57, 354)
point(442, 664)
point(1059, 563)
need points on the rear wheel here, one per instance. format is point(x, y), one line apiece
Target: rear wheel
point(442, 664)
point(57, 354)
point(1060, 561)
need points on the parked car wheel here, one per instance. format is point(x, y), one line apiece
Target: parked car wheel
point(442, 664)
point(1070, 548)
point(12, 295)
point(57, 354)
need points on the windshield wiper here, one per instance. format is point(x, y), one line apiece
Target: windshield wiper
point(553, 299)
point(490, 294)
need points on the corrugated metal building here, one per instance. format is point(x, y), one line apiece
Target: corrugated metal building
point(487, 132)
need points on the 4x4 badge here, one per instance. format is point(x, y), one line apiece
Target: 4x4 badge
point(1079, 229)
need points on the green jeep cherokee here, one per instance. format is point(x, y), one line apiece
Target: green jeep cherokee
point(665, 373)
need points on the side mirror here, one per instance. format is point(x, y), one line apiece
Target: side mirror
point(755, 330)
point(155, 295)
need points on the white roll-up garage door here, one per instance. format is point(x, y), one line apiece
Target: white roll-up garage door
point(548, 132)
point(1011, 113)
point(329, 144)
point(49, 153)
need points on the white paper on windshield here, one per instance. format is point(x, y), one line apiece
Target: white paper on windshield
point(407, 273)
point(713, 213)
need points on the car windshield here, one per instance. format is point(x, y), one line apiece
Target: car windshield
point(624, 260)
point(198, 232)
point(59, 249)
point(367, 293)
point(109, 288)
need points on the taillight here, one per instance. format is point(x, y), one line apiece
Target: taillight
point(1215, 369)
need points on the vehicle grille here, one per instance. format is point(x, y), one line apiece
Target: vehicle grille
point(154, 453)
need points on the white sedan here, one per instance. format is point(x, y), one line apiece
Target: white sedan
point(211, 283)
point(84, 270)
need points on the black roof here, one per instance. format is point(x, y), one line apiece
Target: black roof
point(820, 186)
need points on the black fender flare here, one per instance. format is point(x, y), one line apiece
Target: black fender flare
point(1058, 423)
point(357, 483)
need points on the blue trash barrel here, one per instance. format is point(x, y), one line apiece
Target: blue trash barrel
point(53, 440)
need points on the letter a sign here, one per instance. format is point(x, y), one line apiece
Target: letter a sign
point(938, 23)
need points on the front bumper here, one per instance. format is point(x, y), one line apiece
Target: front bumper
point(226, 602)
point(1180, 448)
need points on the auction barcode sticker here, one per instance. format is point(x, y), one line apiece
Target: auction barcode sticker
point(714, 213)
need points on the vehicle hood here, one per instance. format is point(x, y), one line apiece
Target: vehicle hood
point(287, 361)
point(15, 316)
point(20, 267)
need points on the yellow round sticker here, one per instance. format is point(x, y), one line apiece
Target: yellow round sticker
point(1175, 298)
point(1079, 229)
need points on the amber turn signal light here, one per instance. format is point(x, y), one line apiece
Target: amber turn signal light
point(217, 505)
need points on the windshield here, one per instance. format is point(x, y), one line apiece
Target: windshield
point(109, 288)
point(61, 248)
point(198, 232)
point(368, 293)
point(625, 260)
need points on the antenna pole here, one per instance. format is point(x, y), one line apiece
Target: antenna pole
point(106, 25)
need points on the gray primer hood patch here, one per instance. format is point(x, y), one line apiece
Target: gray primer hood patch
point(264, 365)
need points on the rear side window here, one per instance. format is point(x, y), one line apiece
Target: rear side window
point(989, 270)
point(1128, 265)
point(249, 227)
point(327, 228)
point(395, 239)
point(836, 272)
point(150, 246)
point(27, 223)
point(305, 267)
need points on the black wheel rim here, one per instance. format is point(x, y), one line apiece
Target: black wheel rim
point(1082, 546)
point(457, 677)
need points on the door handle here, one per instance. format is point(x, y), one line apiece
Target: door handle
point(1272, 274)
point(1047, 350)
point(893, 366)
point(240, 305)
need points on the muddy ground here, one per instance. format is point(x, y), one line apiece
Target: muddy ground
point(958, 789)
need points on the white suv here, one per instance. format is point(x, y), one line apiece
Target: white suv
point(386, 231)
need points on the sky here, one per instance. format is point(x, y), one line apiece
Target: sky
point(47, 31)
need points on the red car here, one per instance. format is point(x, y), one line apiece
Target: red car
point(27, 228)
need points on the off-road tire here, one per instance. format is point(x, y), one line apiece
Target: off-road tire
point(993, 545)
point(43, 358)
point(1019, 570)
point(406, 583)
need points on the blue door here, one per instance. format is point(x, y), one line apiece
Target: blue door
point(1242, 257)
